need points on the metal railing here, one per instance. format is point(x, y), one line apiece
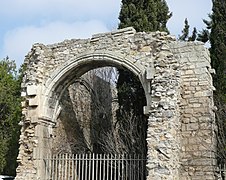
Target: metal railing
point(222, 172)
point(95, 167)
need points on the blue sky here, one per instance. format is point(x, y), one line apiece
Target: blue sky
point(25, 22)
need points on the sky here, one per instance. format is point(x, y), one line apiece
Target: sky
point(25, 22)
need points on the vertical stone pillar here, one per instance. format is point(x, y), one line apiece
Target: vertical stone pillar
point(28, 140)
point(26, 165)
point(198, 144)
point(35, 138)
point(43, 133)
point(163, 123)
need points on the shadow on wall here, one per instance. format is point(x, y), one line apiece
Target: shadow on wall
point(86, 115)
point(91, 121)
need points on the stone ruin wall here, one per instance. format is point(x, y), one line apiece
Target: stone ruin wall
point(176, 77)
point(84, 104)
point(197, 113)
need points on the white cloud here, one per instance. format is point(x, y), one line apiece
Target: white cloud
point(60, 9)
point(50, 21)
point(25, 22)
point(18, 42)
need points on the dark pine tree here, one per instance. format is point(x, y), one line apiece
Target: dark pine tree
point(185, 31)
point(143, 15)
point(218, 46)
point(218, 58)
point(204, 35)
point(194, 35)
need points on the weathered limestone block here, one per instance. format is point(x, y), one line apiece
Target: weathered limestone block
point(33, 101)
point(31, 90)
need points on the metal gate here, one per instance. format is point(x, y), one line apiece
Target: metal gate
point(95, 167)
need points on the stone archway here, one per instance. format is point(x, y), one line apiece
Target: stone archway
point(178, 87)
point(59, 80)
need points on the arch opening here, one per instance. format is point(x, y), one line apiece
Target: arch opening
point(65, 75)
point(91, 112)
point(101, 130)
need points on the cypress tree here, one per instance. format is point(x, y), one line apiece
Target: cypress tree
point(218, 46)
point(185, 31)
point(143, 15)
point(218, 58)
point(194, 35)
point(204, 35)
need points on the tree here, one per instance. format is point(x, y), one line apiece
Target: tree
point(218, 58)
point(204, 35)
point(131, 100)
point(185, 31)
point(10, 114)
point(218, 46)
point(144, 15)
point(194, 35)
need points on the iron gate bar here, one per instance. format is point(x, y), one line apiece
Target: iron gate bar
point(95, 166)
